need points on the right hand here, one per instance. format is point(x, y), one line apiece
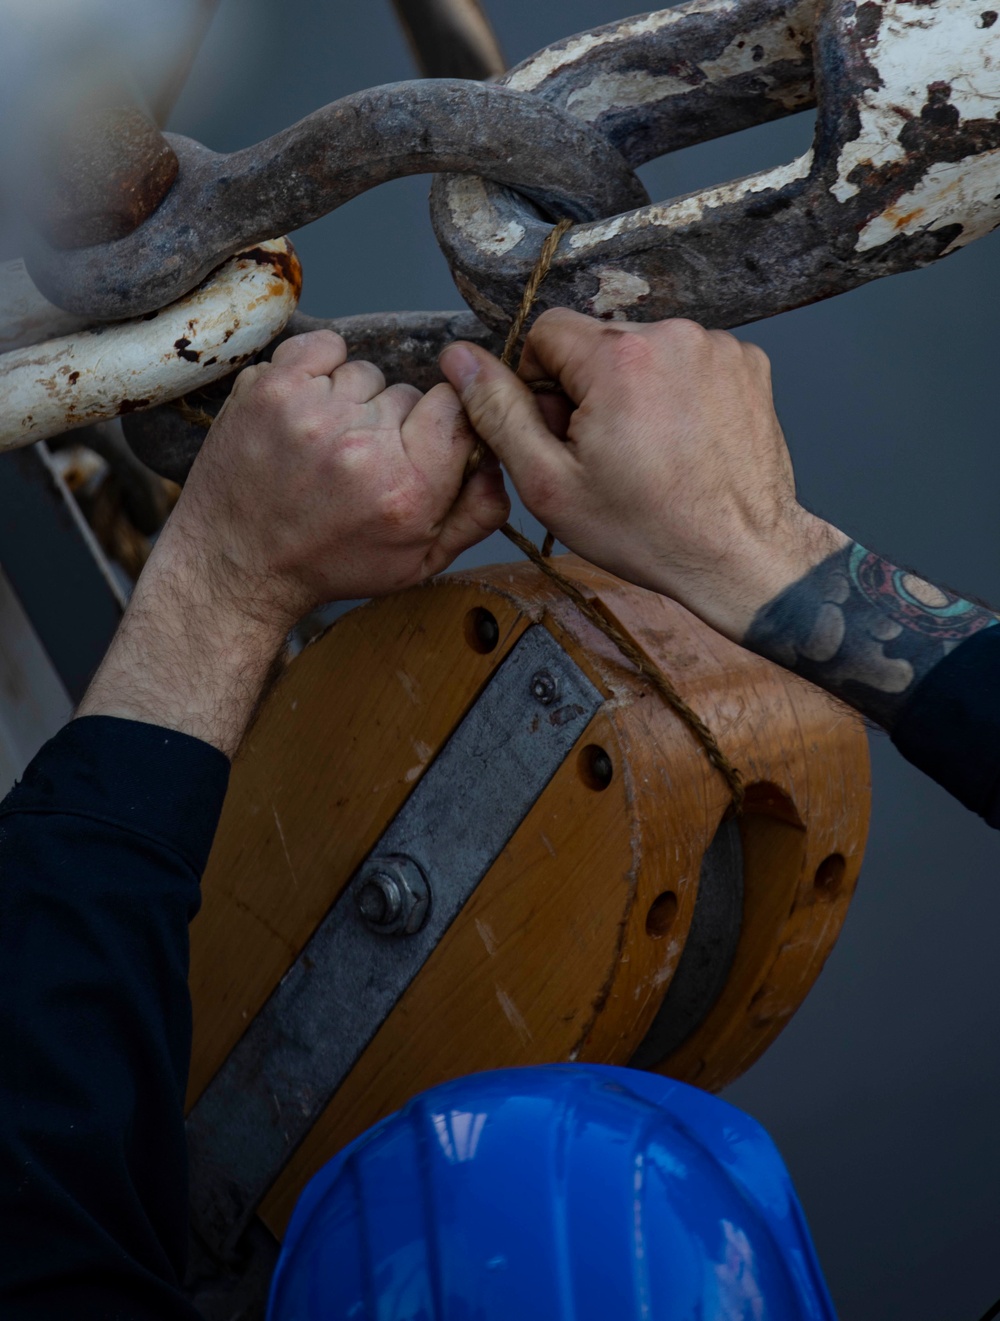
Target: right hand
point(667, 465)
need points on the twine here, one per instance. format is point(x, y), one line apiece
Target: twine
point(588, 608)
point(194, 416)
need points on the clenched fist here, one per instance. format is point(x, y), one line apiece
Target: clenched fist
point(318, 483)
point(315, 483)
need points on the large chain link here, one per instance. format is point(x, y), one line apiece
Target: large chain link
point(220, 204)
point(905, 166)
point(905, 169)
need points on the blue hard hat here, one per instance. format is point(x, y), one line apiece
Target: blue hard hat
point(559, 1193)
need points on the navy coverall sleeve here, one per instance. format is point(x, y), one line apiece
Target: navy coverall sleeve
point(950, 728)
point(102, 846)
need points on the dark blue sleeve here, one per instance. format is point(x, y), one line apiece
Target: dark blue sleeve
point(102, 846)
point(950, 728)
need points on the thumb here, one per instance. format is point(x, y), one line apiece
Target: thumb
point(501, 408)
point(481, 508)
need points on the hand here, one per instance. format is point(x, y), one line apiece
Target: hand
point(315, 483)
point(667, 464)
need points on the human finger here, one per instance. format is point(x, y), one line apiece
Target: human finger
point(317, 353)
point(482, 506)
point(357, 382)
point(437, 437)
point(397, 402)
point(557, 409)
point(561, 346)
point(502, 410)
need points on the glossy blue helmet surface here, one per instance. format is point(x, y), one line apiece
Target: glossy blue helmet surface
point(558, 1193)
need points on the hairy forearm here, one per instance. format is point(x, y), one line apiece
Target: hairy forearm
point(864, 629)
point(188, 655)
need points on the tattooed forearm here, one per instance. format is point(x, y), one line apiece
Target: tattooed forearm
point(864, 629)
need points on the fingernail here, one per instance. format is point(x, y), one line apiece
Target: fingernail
point(460, 365)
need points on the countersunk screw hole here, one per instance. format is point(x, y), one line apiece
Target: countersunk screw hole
point(830, 874)
point(596, 770)
point(660, 917)
point(482, 632)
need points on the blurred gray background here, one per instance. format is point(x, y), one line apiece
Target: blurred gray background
point(882, 1092)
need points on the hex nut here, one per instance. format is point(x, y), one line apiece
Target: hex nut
point(392, 895)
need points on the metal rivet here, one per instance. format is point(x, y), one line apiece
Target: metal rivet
point(544, 687)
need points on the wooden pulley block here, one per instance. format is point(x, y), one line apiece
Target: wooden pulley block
point(464, 833)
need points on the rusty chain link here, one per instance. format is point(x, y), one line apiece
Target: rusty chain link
point(904, 169)
point(221, 204)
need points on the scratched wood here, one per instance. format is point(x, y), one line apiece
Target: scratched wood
point(555, 956)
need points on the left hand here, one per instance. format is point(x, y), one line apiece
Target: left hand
point(315, 483)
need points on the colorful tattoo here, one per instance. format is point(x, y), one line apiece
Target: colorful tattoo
point(864, 629)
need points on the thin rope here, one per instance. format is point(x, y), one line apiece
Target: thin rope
point(540, 558)
point(197, 417)
point(528, 299)
point(646, 667)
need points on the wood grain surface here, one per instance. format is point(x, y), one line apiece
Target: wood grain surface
point(555, 956)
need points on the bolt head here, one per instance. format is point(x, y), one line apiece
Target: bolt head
point(544, 687)
point(379, 900)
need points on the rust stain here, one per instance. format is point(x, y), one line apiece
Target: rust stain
point(901, 221)
point(184, 350)
point(286, 264)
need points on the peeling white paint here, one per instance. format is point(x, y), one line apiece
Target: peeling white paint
point(617, 291)
point(781, 39)
point(536, 71)
point(471, 208)
point(688, 210)
point(967, 192)
point(610, 89)
point(71, 381)
point(613, 91)
point(918, 45)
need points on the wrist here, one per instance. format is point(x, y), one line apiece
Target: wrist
point(758, 569)
point(192, 653)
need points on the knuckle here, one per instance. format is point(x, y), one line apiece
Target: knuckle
point(398, 508)
point(273, 389)
point(362, 374)
point(312, 429)
point(757, 358)
point(631, 351)
point(682, 333)
point(326, 337)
